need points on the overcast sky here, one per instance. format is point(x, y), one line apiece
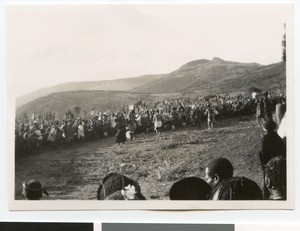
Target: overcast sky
point(51, 44)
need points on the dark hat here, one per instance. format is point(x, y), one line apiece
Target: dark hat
point(114, 183)
point(270, 125)
point(190, 188)
point(33, 190)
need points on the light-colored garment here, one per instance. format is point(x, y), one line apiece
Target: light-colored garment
point(52, 135)
point(80, 131)
point(157, 119)
point(39, 135)
point(157, 124)
point(279, 113)
point(128, 135)
point(139, 120)
point(215, 197)
point(282, 127)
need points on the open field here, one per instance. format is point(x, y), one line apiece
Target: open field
point(74, 173)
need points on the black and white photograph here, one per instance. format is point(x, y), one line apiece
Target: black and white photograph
point(150, 106)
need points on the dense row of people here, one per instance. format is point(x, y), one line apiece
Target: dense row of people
point(35, 133)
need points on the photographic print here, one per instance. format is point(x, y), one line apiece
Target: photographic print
point(150, 106)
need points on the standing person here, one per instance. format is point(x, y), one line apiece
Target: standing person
point(157, 119)
point(132, 124)
point(260, 112)
point(52, 136)
point(199, 114)
point(267, 107)
point(39, 137)
point(80, 133)
point(139, 122)
point(120, 126)
point(210, 117)
point(69, 133)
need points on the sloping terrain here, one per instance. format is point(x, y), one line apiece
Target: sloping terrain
point(218, 76)
point(109, 85)
point(196, 77)
point(99, 100)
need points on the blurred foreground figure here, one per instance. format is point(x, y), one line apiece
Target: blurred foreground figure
point(272, 146)
point(119, 187)
point(191, 188)
point(33, 190)
point(275, 178)
point(272, 143)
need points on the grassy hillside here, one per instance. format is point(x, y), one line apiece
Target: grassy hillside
point(200, 77)
point(109, 85)
point(218, 76)
point(99, 100)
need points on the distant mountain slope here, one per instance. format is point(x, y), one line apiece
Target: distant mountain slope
point(86, 100)
point(196, 77)
point(112, 85)
point(218, 76)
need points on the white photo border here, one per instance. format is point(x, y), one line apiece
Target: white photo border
point(164, 204)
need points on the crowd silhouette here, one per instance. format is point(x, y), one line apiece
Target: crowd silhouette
point(40, 131)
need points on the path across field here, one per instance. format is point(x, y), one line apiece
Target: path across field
point(74, 173)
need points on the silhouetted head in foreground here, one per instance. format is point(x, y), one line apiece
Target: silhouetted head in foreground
point(116, 186)
point(275, 177)
point(191, 188)
point(270, 126)
point(33, 190)
point(217, 170)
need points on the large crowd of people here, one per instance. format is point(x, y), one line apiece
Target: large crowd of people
point(218, 183)
point(40, 131)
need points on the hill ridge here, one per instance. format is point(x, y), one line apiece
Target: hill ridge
point(201, 76)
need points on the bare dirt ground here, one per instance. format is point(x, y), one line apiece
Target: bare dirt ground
point(74, 173)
